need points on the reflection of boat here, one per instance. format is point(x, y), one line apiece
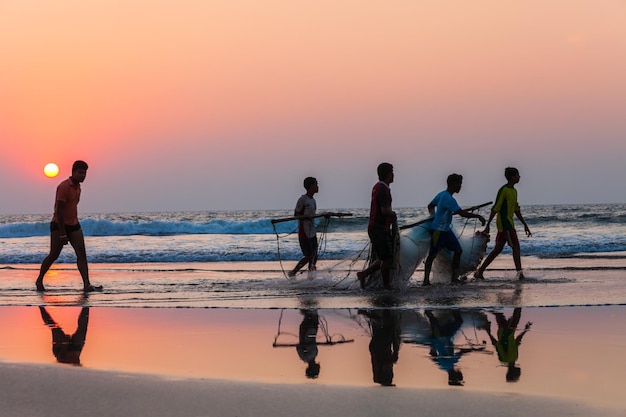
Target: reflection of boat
point(417, 327)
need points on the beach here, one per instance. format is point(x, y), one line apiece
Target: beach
point(51, 392)
point(198, 318)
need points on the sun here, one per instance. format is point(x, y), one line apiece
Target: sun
point(51, 170)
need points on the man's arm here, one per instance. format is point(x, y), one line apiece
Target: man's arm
point(491, 216)
point(61, 221)
point(518, 213)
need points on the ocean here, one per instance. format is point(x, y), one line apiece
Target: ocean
point(237, 258)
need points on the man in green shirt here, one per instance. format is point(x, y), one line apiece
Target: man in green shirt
point(505, 207)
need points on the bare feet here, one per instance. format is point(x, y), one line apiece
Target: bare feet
point(520, 275)
point(479, 275)
point(39, 285)
point(291, 274)
point(92, 288)
point(426, 283)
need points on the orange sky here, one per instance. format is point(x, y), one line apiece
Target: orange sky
point(198, 98)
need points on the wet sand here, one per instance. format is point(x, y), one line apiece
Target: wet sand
point(52, 391)
point(240, 362)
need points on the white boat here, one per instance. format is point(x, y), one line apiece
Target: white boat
point(412, 248)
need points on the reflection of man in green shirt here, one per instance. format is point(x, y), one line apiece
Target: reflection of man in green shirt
point(507, 345)
point(505, 207)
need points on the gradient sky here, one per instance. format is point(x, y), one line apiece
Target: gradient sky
point(229, 104)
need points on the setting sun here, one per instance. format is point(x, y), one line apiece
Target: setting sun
point(51, 170)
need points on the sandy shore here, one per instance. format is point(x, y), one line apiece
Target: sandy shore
point(50, 391)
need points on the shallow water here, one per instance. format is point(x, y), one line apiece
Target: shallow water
point(594, 280)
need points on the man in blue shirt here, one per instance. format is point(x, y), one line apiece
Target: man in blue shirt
point(444, 206)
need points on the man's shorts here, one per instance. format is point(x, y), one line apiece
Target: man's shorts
point(508, 236)
point(68, 229)
point(381, 242)
point(308, 245)
point(443, 239)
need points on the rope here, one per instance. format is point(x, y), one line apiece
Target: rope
point(280, 260)
point(322, 243)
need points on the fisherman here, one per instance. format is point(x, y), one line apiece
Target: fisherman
point(506, 205)
point(379, 229)
point(307, 236)
point(443, 207)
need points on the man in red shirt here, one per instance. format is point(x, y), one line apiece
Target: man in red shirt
point(379, 229)
point(65, 227)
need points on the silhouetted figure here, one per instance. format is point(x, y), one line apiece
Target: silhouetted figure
point(505, 207)
point(507, 345)
point(385, 343)
point(66, 348)
point(307, 342)
point(307, 235)
point(443, 207)
point(65, 227)
point(380, 229)
point(442, 349)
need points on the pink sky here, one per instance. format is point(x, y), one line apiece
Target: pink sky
point(211, 105)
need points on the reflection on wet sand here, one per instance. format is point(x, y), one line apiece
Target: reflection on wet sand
point(385, 344)
point(434, 348)
point(65, 347)
point(307, 339)
point(507, 344)
point(447, 335)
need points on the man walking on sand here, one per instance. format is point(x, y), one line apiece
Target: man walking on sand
point(506, 205)
point(65, 227)
point(379, 229)
point(443, 207)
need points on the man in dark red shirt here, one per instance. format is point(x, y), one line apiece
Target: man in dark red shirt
point(379, 229)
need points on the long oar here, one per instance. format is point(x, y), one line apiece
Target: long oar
point(478, 206)
point(408, 226)
point(328, 214)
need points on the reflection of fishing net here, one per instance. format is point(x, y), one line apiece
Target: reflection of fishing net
point(293, 338)
point(417, 329)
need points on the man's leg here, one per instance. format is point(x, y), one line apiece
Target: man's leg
point(385, 272)
point(55, 251)
point(456, 261)
point(517, 259)
point(492, 255)
point(428, 264)
point(77, 240)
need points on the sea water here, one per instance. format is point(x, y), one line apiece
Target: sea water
point(576, 255)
